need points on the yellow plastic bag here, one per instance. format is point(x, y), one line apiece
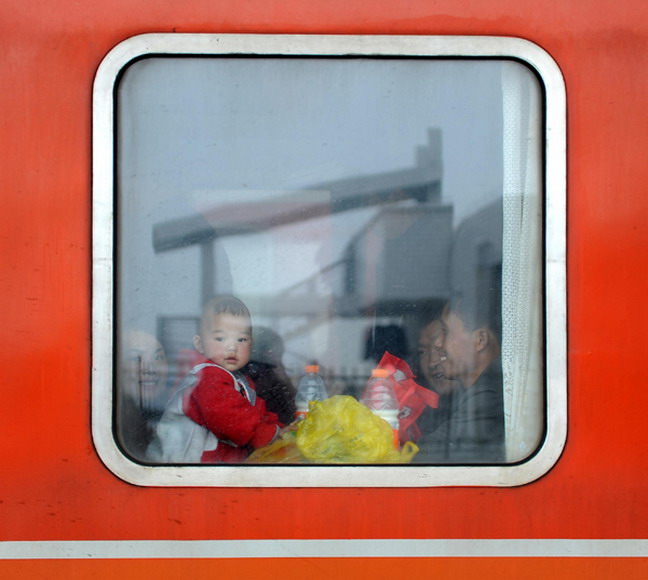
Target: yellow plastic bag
point(283, 450)
point(341, 430)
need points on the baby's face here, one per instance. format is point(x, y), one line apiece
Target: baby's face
point(226, 340)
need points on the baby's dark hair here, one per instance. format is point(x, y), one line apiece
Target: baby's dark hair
point(224, 304)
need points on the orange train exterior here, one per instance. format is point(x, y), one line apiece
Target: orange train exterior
point(62, 512)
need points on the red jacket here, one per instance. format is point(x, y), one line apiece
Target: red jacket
point(215, 417)
point(229, 412)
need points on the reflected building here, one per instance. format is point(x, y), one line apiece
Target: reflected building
point(403, 258)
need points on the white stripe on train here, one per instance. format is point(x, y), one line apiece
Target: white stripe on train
point(502, 548)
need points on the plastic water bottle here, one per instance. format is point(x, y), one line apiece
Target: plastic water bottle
point(380, 397)
point(310, 388)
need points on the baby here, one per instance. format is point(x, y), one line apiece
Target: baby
point(215, 416)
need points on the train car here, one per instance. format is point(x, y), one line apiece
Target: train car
point(448, 191)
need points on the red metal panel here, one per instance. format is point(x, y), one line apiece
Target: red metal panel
point(316, 569)
point(53, 484)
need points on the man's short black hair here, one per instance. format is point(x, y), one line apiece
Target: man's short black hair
point(479, 309)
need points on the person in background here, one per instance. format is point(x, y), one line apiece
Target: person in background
point(430, 373)
point(429, 358)
point(469, 344)
point(267, 370)
point(216, 415)
point(143, 391)
point(385, 338)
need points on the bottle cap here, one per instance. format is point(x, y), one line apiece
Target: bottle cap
point(380, 373)
point(311, 369)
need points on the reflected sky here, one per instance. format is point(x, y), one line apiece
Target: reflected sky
point(194, 126)
point(196, 133)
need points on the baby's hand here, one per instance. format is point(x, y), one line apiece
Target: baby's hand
point(288, 428)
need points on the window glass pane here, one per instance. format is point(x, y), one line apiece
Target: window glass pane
point(356, 206)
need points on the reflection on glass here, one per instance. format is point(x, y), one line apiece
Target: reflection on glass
point(357, 206)
point(143, 390)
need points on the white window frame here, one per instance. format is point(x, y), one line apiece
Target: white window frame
point(329, 476)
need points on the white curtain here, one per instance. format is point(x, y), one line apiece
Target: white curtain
point(522, 261)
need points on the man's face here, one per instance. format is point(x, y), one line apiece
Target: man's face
point(459, 347)
point(226, 340)
point(431, 356)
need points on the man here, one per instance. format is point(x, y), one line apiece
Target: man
point(474, 429)
point(430, 357)
point(430, 373)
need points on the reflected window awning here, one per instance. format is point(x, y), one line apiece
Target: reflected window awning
point(421, 183)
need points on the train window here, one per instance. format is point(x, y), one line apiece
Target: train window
point(277, 215)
